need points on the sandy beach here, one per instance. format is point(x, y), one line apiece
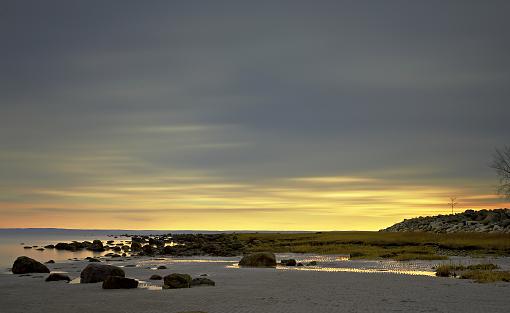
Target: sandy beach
point(249, 290)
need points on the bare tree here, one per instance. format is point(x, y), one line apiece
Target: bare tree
point(453, 202)
point(501, 164)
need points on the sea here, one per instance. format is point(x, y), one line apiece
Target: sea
point(14, 240)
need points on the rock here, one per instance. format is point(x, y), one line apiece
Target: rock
point(57, 277)
point(50, 262)
point(176, 280)
point(119, 282)
point(97, 246)
point(136, 246)
point(196, 282)
point(94, 273)
point(491, 221)
point(50, 246)
point(40, 249)
point(259, 259)
point(94, 260)
point(312, 263)
point(147, 249)
point(161, 267)
point(300, 264)
point(27, 247)
point(156, 277)
point(24, 265)
point(289, 262)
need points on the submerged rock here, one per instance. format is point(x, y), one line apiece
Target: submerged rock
point(24, 265)
point(259, 259)
point(50, 262)
point(94, 273)
point(119, 282)
point(176, 280)
point(57, 277)
point(96, 246)
point(162, 267)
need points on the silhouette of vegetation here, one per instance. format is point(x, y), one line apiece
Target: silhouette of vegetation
point(501, 164)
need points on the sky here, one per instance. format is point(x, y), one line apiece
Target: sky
point(249, 115)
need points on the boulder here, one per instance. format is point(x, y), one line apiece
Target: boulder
point(162, 267)
point(94, 273)
point(50, 262)
point(147, 249)
point(119, 282)
point(259, 259)
point(97, 246)
point(289, 262)
point(156, 277)
point(176, 280)
point(24, 265)
point(197, 282)
point(57, 277)
point(136, 246)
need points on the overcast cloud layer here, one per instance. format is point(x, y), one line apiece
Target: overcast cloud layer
point(350, 114)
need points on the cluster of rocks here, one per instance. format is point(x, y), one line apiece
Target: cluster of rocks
point(174, 245)
point(96, 246)
point(188, 245)
point(487, 221)
point(112, 277)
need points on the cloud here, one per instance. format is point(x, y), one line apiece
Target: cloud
point(337, 107)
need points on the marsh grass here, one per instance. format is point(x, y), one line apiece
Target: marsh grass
point(486, 276)
point(482, 273)
point(377, 245)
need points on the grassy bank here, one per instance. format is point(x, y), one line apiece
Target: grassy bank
point(482, 273)
point(374, 245)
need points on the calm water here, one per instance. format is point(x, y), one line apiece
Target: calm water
point(12, 242)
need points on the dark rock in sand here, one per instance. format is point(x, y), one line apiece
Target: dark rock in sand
point(50, 246)
point(289, 262)
point(94, 260)
point(162, 267)
point(119, 282)
point(259, 259)
point(175, 280)
point(156, 277)
point(40, 249)
point(196, 282)
point(312, 263)
point(300, 264)
point(50, 262)
point(95, 273)
point(27, 247)
point(24, 265)
point(57, 277)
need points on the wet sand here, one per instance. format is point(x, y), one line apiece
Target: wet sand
point(250, 290)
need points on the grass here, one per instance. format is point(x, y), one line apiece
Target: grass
point(486, 276)
point(377, 245)
point(481, 273)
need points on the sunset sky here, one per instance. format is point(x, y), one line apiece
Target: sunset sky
point(256, 115)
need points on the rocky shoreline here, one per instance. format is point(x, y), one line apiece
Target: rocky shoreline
point(483, 221)
point(225, 245)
